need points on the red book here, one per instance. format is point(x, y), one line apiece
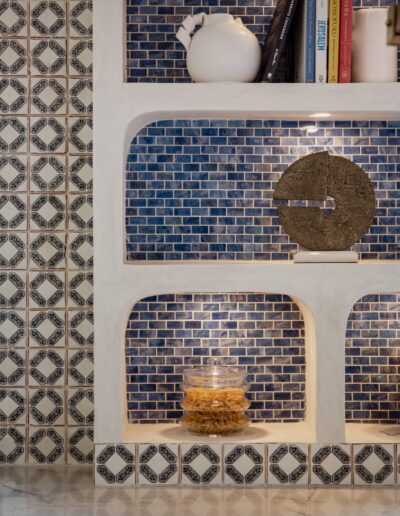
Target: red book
point(346, 15)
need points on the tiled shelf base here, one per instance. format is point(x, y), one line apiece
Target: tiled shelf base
point(280, 464)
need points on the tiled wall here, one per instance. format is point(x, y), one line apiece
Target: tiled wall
point(202, 189)
point(259, 332)
point(46, 334)
point(153, 54)
point(265, 335)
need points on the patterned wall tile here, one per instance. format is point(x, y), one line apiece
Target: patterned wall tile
point(48, 173)
point(12, 328)
point(47, 211)
point(47, 250)
point(80, 328)
point(80, 15)
point(12, 407)
point(13, 133)
point(46, 367)
point(13, 173)
point(12, 446)
point(80, 136)
point(12, 367)
point(48, 57)
point(13, 15)
point(80, 406)
point(46, 446)
point(13, 57)
point(80, 367)
point(80, 251)
point(80, 445)
point(288, 464)
point(80, 289)
point(46, 406)
point(46, 328)
point(81, 97)
point(13, 253)
point(46, 289)
point(80, 58)
point(158, 464)
point(201, 464)
point(81, 212)
point(48, 134)
point(80, 174)
point(244, 464)
point(12, 290)
point(115, 464)
point(331, 464)
point(13, 209)
point(14, 95)
point(48, 18)
point(374, 464)
point(49, 96)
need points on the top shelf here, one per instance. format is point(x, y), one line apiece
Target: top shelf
point(354, 101)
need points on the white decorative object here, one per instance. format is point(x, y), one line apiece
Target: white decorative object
point(326, 257)
point(373, 60)
point(221, 50)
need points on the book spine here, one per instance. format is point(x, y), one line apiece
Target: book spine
point(300, 47)
point(279, 43)
point(321, 40)
point(346, 20)
point(333, 40)
point(310, 40)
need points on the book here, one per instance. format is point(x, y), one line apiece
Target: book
point(321, 40)
point(345, 33)
point(333, 40)
point(275, 40)
point(305, 42)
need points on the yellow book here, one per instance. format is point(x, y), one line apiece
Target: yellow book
point(333, 41)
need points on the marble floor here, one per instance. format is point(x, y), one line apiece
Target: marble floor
point(69, 491)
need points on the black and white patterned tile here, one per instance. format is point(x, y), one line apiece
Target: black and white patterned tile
point(80, 406)
point(81, 97)
point(13, 212)
point(244, 464)
point(374, 464)
point(80, 367)
point(47, 250)
point(46, 445)
point(80, 445)
point(12, 445)
point(80, 212)
point(80, 289)
point(46, 367)
point(201, 464)
point(13, 253)
point(14, 95)
point(80, 251)
point(48, 57)
point(288, 464)
point(12, 290)
point(80, 16)
point(47, 328)
point(12, 367)
point(48, 96)
point(13, 406)
point(13, 18)
point(13, 57)
point(331, 464)
point(115, 464)
point(81, 136)
point(48, 173)
point(48, 18)
point(46, 406)
point(47, 211)
point(12, 328)
point(80, 174)
point(46, 289)
point(48, 134)
point(158, 464)
point(80, 328)
point(13, 173)
point(80, 58)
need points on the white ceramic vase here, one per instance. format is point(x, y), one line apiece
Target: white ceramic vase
point(372, 59)
point(222, 50)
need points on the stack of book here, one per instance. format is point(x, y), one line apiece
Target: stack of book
point(309, 41)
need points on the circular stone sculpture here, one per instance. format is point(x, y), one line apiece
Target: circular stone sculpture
point(315, 178)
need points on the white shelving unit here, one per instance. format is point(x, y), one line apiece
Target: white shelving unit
point(324, 292)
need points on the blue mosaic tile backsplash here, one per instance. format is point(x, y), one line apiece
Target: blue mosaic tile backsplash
point(202, 189)
point(263, 333)
point(153, 54)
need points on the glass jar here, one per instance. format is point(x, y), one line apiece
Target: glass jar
point(214, 399)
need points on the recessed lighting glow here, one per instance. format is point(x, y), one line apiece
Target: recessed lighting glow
point(310, 129)
point(320, 115)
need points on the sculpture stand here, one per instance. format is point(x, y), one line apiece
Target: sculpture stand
point(326, 257)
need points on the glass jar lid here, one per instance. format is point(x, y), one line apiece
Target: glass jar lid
point(214, 375)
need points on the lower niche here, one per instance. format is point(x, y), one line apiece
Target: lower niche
point(263, 333)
